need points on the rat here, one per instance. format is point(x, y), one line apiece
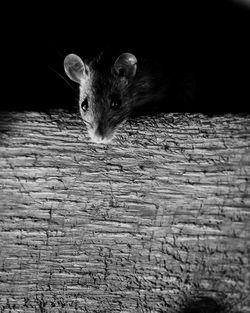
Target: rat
point(111, 89)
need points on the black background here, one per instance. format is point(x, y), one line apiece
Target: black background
point(212, 35)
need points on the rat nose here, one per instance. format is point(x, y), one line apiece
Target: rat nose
point(100, 134)
point(100, 130)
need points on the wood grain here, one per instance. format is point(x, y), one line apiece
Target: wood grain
point(159, 216)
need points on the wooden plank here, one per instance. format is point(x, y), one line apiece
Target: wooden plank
point(145, 224)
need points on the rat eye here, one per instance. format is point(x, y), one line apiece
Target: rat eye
point(84, 105)
point(115, 102)
point(121, 72)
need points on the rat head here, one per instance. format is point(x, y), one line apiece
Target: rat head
point(105, 97)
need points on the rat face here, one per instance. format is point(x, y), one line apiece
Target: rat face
point(104, 93)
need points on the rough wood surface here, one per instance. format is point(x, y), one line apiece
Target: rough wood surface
point(158, 217)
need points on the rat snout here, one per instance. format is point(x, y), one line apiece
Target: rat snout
point(100, 133)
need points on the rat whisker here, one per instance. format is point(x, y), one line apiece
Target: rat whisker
point(87, 122)
point(63, 79)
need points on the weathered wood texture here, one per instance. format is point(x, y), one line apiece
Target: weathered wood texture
point(159, 216)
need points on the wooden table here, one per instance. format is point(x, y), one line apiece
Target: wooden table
point(149, 223)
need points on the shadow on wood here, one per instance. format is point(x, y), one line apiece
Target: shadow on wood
point(204, 305)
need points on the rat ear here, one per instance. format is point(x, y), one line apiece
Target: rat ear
point(126, 65)
point(75, 68)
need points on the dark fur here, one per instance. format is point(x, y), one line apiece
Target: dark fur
point(149, 85)
point(130, 82)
